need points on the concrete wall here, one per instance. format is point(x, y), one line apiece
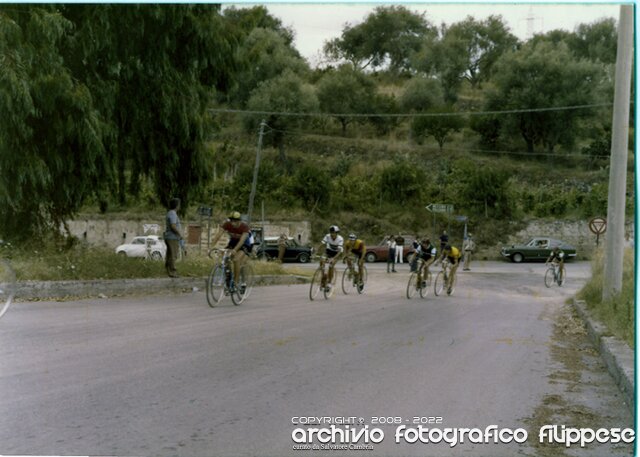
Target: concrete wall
point(112, 233)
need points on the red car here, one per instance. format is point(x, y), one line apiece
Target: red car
point(380, 253)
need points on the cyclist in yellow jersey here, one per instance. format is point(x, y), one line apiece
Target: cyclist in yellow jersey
point(454, 256)
point(356, 247)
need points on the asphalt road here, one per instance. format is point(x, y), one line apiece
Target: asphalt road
point(167, 375)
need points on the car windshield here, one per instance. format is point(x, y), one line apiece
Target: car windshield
point(138, 241)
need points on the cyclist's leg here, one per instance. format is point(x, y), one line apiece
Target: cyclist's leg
point(360, 267)
point(238, 260)
point(452, 274)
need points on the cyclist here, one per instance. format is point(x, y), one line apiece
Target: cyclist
point(358, 249)
point(454, 255)
point(427, 252)
point(240, 242)
point(334, 246)
point(557, 256)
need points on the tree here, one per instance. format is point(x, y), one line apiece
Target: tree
point(467, 50)
point(388, 35)
point(287, 93)
point(51, 153)
point(440, 124)
point(597, 41)
point(345, 91)
point(263, 55)
point(421, 94)
point(489, 189)
point(544, 76)
point(248, 19)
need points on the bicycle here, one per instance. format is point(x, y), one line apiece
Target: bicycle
point(7, 286)
point(221, 280)
point(319, 281)
point(554, 275)
point(419, 281)
point(351, 278)
point(442, 280)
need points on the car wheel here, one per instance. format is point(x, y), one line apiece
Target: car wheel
point(122, 254)
point(303, 258)
point(370, 257)
point(517, 257)
point(156, 255)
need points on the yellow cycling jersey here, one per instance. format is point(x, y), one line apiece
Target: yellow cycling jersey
point(454, 254)
point(355, 246)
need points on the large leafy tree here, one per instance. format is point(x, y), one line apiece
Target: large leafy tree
point(264, 54)
point(466, 50)
point(389, 35)
point(287, 93)
point(51, 152)
point(159, 64)
point(346, 91)
point(537, 78)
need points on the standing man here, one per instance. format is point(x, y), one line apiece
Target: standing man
point(399, 249)
point(391, 259)
point(172, 237)
point(468, 247)
point(282, 246)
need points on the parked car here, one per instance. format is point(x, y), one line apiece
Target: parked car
point(294, 251)
point(538, 248)
point(380, 253)
point(142, 246)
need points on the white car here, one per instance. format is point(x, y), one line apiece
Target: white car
point(150, 246)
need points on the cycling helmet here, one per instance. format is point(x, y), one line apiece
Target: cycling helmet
point(352, 236)
point(334, 229)
point(447, 247)
point(234, 215)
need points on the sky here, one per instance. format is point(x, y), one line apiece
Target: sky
point(316, 23)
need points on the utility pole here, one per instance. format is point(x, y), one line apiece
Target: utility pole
point(256, 168)
point(614, 252)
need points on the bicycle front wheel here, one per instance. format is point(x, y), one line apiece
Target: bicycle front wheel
point(244, 285)
point(438, 285)
point(347, 280)
point(328, 291)
point(412, 285)
point(363, 279)
point(426, 285)
point(215, 285)
point(7, 286)
point(316, 284)
point(452, 287)
point(549, 277)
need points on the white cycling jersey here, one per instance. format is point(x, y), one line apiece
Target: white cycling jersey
point(333, 245)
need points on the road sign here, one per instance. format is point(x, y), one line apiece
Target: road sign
point(439, 208)
point(598, 225)
point(461, 218)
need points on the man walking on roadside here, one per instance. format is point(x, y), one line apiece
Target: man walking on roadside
point(172, 237)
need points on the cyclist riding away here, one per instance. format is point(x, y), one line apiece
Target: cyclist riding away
point(356, 247)
point(240, 241)
point(557, 256)
point(334, 246)
point(454, 255)
point(427, 252)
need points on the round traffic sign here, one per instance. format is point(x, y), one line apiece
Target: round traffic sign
point(598, 225)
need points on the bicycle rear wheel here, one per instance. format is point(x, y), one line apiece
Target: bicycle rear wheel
point(7, 286)
point(316, 284)
point(424, 288)
point(438, 285)
point(215, 285)
point(412, 285)
point(347, 280)
point(244, 286)
point(549, 277)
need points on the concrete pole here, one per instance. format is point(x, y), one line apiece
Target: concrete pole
point(256, 168)
point(614, 243)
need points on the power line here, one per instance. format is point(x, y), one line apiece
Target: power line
point(408, 115)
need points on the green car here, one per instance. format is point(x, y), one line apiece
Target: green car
point(538, 248)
